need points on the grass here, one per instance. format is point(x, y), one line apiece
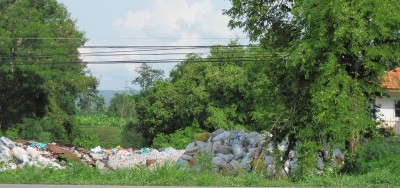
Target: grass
point(169, 175)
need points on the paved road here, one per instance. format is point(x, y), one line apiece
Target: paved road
point(86, 186)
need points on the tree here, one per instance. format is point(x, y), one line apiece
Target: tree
point(122, 105)
point(147, 76)
point(90, 100)
point(335, 54)
point(40, 70)
point(219, 91)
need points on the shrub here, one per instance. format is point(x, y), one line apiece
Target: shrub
point(85, 139)
point(131, 137)
point(179, 139)
point(378, 153)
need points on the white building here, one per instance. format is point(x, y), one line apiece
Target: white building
point(389, 110)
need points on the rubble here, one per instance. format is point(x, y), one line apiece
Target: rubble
point(15, 155)
point(230, 152)
point(234, 151)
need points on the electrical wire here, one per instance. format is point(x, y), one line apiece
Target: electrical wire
point(153, 51)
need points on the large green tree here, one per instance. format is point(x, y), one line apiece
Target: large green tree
point(40, 70)
point(122, 105)
point(147, 76)
point(218, 91)
point(335, 54)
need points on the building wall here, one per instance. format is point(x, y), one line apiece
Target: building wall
point(386, 111)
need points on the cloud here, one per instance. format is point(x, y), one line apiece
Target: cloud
point(173, 18)
point(134, 20)
point(163, 23)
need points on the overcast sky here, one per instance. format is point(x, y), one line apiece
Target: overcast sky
point(147, 22)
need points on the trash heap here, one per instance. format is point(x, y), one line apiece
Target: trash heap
point(17, 155)
point(237, 151)
point(118, 158)
point(30, 153)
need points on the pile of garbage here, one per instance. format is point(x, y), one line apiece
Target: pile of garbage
point(237, 151)
point(15, 155)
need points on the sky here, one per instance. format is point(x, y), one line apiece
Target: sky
point(147, 23)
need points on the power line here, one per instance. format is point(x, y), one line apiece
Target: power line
point(112, 54)
point(166, 61)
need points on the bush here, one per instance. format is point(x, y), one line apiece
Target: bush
point(104, 136)
point(85, 139)
point(379, 153)
point(179, 139)
point(131, 137)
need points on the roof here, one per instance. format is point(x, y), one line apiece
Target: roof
point(392, 79)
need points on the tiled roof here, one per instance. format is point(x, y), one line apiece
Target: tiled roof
point(392, 79)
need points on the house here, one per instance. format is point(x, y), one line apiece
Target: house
point(389, 110)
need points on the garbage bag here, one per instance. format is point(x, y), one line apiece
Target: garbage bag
point(7, 142)
point(20, 154)
point(203, 147)
point(227, 157)
point(252, 135)
point(320, 164)
point(186, 157)
point(191, 151)
point(217, 132)
point(219, 161)
point(96, 149)
point(190, 145)
point(169, 150)
point(221, 149)
point(237, 151)
point(240, 136)
point(246, 162)
point(268, 160)
point(218, 137)
point(32, 152)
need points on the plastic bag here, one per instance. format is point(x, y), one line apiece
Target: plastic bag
point(227, 157)
point(237, 151)
point(7, 142)
point(219, 161)
point(246, 162)
point(32, 152)
point(20, 154)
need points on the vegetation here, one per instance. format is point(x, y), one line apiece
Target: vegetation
point(312, 79)
point(174, 176)
point(147, 76)
point(32, 62)
point(335, 55)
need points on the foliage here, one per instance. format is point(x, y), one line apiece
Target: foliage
point(178, 140)
point(90, 100)
point(147, 76)
point(219, 91)
point(12, 134)
point(41, 75)
point(377, 153)
point(131, 137)
point(103, 136)
point(31, 129)
point(100, 119)
point(86, 140)
point(122, 105)
point(334, 56)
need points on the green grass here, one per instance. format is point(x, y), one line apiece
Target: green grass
point(173, 175)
